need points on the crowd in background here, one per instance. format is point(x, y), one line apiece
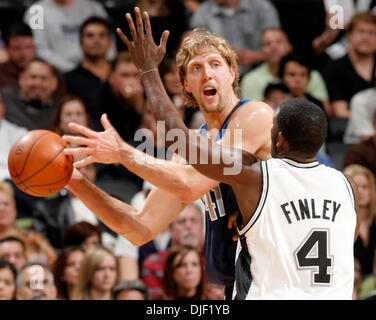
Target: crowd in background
point(75, 68)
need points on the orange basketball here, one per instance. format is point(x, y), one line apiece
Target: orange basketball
point(37, 164)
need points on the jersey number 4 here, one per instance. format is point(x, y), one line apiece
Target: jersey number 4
point(313, 254)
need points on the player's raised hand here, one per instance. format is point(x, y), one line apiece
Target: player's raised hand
point(100, 147)
point(146, 55)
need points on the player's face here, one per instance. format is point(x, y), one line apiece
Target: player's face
point(104, 278)
point(209, 79)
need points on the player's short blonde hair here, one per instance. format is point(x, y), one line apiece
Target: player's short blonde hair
point(196, 41)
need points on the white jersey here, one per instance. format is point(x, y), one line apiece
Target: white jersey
point(299, 241)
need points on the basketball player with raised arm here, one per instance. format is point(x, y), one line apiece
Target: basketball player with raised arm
point(299, 218)
point(182, 182)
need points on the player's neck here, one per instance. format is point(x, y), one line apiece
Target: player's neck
point(215, 120)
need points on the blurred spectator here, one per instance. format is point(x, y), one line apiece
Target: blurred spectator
point(7, 281)
point(294, 71)
point(275, 45)
point(70, 108)
point(164, 15)
point(241, 23)
point(349, 8)
point(368, 284)
point(88, 78)
point(57, 41)
point(9, 133)
point(35, 281)
point(186, 229)
point(361, 125)
point(13, 250)
point(130, 290)
point(52, 216)
point(98, 275)
point(365, 244)
point(355, 71)
point(82, 234)
point(357, 279)
point(364, 152)
point(171, 80)
point(183, 275)
point(37, 247)
point(66, 270)
point(33, 103)
point(123, 97)
point(276, 93)
point(20, 49)
point(305, 22)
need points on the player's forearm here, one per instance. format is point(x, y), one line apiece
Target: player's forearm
point(161, 105)
point(117, 215)
point(181, 180)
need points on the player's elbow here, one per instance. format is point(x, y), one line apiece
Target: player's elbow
point(141, 233)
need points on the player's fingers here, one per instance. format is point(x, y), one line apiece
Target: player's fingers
point(139, 23)
point(84, 162)
point(78, 140)
point(82, 129)
point(132, 28)
point(163, 41)
point(123, 37)
point(147, 25)
point(106, 122)
point(79, 151)
point(231, 221)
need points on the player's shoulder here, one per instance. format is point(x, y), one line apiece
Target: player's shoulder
point(255, 111)
point(258, 107)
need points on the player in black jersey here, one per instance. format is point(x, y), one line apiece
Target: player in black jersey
point(208, 71)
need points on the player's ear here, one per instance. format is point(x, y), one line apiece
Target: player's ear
point(281, 141)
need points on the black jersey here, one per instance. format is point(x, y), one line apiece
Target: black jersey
point(220, 202)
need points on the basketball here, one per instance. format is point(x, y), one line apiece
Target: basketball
point(37, 164)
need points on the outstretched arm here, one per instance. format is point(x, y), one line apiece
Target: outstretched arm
point(219, 160)
point(107, 146)
point(138, 227)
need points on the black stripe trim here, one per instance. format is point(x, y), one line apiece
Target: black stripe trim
point(243, 275)
point(262, 200)
point(301, 165)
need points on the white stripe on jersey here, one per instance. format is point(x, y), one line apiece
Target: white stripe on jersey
point(300, 237)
